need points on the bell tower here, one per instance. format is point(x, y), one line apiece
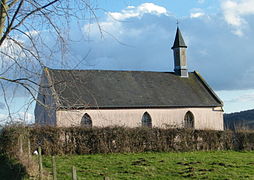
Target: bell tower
point(179, 49)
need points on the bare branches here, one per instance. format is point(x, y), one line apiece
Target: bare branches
point(21, 82)
point(12, 3)
point(34, 11)
point(4, 12)
point(6, 101)
point(33, 32)
point(9, 27)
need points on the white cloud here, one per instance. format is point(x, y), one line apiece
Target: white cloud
point(13, 50)
point(231, 13)
point(143, 42)
point(238, 32)
point(196, 13)
point(27, 117)
point(249, 97)
point(20, 117)
point(32, 33)
point(132, 11)
point(18, 55)
point(152, 9)
point(235, 11)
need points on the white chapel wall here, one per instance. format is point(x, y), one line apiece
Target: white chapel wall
point(204, 118)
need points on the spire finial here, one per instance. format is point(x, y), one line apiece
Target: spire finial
point(177, 23)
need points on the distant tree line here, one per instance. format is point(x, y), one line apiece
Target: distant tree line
point(239, 120)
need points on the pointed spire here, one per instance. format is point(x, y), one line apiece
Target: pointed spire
point(180, 59)
point(179, 42)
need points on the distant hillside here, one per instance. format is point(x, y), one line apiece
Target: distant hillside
point(243, 119)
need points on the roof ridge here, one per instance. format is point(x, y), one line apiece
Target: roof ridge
point(108, 70)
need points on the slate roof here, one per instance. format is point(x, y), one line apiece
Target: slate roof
point(179, 42)
point(78, 89)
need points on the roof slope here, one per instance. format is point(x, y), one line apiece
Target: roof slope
point(129, 89)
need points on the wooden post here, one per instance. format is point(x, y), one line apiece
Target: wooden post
point(54, 168)
point(29, 148)
point(74, 173)
point(28, 152)
point(40, 163)
point(20, 144)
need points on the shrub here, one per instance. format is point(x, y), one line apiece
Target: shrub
point(81, 140)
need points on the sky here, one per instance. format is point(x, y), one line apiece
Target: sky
point(138, 35)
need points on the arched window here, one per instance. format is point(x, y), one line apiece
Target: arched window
point(189, 120)
point(146, 120)
point(86, 121)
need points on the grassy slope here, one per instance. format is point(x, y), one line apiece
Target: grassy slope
point(198, 165)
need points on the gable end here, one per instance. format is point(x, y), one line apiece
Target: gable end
point(208, 88)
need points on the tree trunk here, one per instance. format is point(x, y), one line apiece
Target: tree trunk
point(3, 13)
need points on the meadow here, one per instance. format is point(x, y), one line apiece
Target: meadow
point(171, 165)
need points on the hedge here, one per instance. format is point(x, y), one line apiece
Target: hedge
point(78, 140)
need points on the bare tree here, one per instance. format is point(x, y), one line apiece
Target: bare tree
point(32, 31)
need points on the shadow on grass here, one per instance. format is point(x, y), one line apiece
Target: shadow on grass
point(11, 170)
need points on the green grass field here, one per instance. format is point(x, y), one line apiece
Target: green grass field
point(193, 165)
